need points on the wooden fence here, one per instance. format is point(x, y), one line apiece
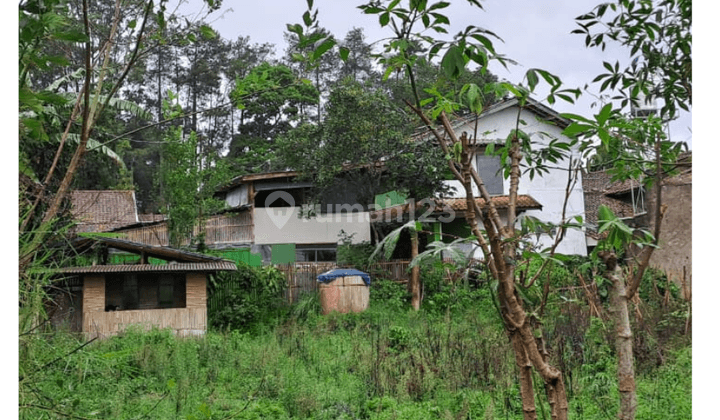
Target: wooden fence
point(302, 277)
point(220, 229)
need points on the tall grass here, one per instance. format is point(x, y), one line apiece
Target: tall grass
point(380, 364)
point(451, 360)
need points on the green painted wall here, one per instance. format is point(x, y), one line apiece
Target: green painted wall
point(283, 254)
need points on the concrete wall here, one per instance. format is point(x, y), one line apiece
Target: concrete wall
point(281, 225)
point(548, 190)
point(674, 255)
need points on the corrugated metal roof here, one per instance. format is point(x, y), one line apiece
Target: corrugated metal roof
point(151, 268)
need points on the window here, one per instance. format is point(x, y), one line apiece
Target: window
point(149, 291)
point(488, 167)
point(130, 292)
point(315, 253)
point(166, 295)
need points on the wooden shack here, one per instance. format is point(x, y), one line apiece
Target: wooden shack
point(344, 290)
point(170, 295)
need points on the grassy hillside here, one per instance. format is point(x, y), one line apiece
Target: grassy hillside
point(449, 361)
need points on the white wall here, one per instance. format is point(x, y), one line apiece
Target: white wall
point(548, 190)
point(281, 225)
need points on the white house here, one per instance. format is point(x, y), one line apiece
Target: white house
point(543, 125)
point(274, 200)
point(542, 197)
point(276, 203)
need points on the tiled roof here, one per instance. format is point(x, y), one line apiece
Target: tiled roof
point(152, 268)
point(103, 210)
point(524, 202)
point(598, 188)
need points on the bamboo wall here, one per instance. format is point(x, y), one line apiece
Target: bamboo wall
point(191, 320)
point(196, 291)
point(234, 228)
point(183, 321)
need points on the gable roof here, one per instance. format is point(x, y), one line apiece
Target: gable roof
point(599, 189)
point(543, 112)
point(103, 210)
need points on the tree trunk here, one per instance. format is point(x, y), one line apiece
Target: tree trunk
point(415, 271)
point(518, 323)
point(623, 338)
point(527, 394)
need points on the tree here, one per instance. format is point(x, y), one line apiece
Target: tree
point(270, 98)
point(366, 140)
point(95, 83)
point(358, 64)
point(364, 143)
point(659, 36)
point(318, 71)
point(188, 183)
point(499, 240)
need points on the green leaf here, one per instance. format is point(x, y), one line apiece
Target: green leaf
point(324, 46)
point(453, 62)
point(344, 53)
point(207, 32)
point(532, 79)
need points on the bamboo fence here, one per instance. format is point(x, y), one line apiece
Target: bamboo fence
point(219, 229)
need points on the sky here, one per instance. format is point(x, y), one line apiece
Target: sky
point(536, 34)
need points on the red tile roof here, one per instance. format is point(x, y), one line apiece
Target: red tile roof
point(524, 202)
point(599, 188)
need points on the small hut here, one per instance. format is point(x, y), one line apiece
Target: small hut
point(344, 290)
point(166, 295)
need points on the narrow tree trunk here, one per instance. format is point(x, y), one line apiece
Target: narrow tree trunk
point(527, 394)
point(623, 338)
point(415, 272)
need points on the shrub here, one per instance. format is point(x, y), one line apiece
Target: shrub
point(246, 298)
point(354, 255)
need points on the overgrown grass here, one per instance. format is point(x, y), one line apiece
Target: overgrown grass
point(451, 360)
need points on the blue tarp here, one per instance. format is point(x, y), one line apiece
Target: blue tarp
point(331, 275)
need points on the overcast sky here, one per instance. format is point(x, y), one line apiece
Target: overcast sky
point(535, 34)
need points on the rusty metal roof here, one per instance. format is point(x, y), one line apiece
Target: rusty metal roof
point(151, 268)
